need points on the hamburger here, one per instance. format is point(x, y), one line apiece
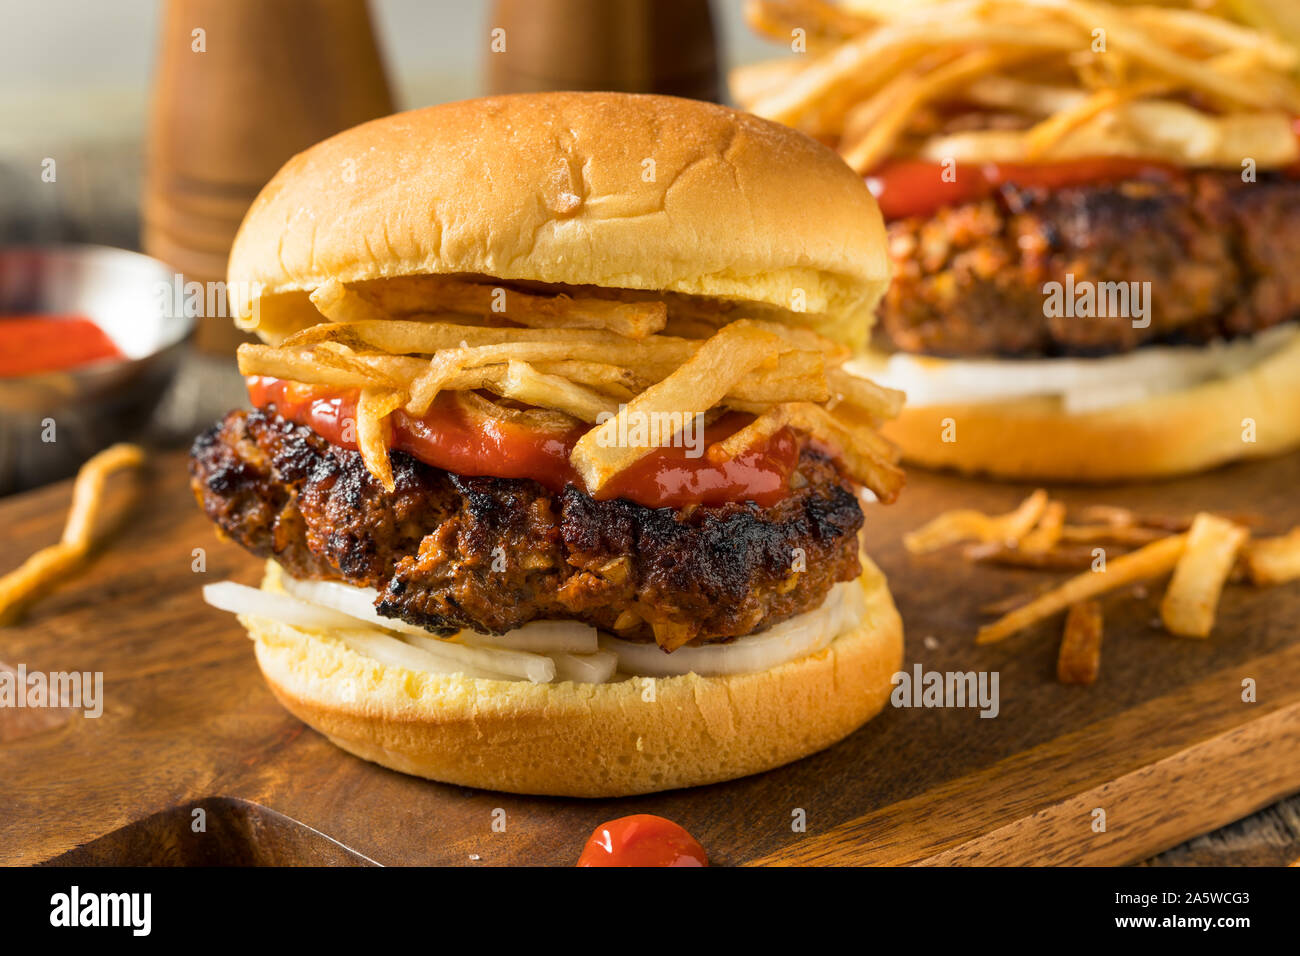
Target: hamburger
point(557, 474)
point(1093, 212)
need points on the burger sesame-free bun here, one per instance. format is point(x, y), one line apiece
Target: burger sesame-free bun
point(1179, 432)
point(608, 189)
point(585, 740)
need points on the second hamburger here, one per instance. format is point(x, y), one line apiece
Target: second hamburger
point(1093, 211)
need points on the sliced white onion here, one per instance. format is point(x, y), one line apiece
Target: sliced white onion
point(1083, 384)
point(241, 599)
point(799, 636)
point(574, 651)
point(357, 603)
point(541, 637)
point(594, 668)
point(342, 606)
point(514, 664)
point(392, 652)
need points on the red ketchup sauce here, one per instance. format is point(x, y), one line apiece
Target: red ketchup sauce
point(642, 840)
point(443, 437)
point(910, 187)
point(31, 344)
point(916, 187)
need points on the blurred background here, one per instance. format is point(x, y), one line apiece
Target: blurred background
point(76, 83)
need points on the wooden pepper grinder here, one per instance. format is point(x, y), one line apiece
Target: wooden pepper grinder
point(241, 86)
point(630, 46)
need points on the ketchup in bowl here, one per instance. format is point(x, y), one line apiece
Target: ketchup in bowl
point(642, 840)
point(32, 344)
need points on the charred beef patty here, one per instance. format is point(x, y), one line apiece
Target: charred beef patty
point(448, 551)
point(1220, 255)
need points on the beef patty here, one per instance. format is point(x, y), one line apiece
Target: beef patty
point(1219, 253)
point(448, 551)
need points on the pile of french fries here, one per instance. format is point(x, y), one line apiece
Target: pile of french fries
point(1111, 547)
point(587, 360)
point(1185, 82)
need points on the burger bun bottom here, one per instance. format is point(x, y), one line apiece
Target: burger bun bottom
point(1253, 413)
point(624, 737)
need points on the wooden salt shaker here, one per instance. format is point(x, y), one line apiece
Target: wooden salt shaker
point(241, 86)
point(630, 46)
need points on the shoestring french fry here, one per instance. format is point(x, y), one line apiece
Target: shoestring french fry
point(47, 567)
point(697, 385)
point(1149, 562)
point(1186, 86)
point(1274, 560)
point(373, 408)
point(954, 527)
point(1079, 659)
point(1189, 604)
point(582, 358)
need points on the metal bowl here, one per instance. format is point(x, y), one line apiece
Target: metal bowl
point(50, 423)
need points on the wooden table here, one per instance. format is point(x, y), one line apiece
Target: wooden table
point(1162, 742)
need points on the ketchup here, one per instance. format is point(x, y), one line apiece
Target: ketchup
point(31, 344)
point(911, 187)
point(642, 840)
point(670, 479)
point(444, 437)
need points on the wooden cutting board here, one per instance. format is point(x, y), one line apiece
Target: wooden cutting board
point(1163, 742)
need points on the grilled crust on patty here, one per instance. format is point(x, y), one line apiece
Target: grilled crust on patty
point(1219, 253)
point(448, 551)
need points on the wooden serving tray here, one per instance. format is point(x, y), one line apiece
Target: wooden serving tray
point(1163, 742)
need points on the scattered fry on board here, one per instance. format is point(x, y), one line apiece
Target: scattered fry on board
point(1079, 660)
point(1155, 559)
point(1274, 560)
point(1189, 604)
point(1070, 557)
point(1044, 536)
point(44, 569)
point(953, 527)
point(1205, 551)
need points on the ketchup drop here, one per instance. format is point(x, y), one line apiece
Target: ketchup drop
point(642, 840)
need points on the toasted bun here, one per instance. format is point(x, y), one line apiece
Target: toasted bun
point(1172, 434)
point(586, 740)
point(607, 189)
